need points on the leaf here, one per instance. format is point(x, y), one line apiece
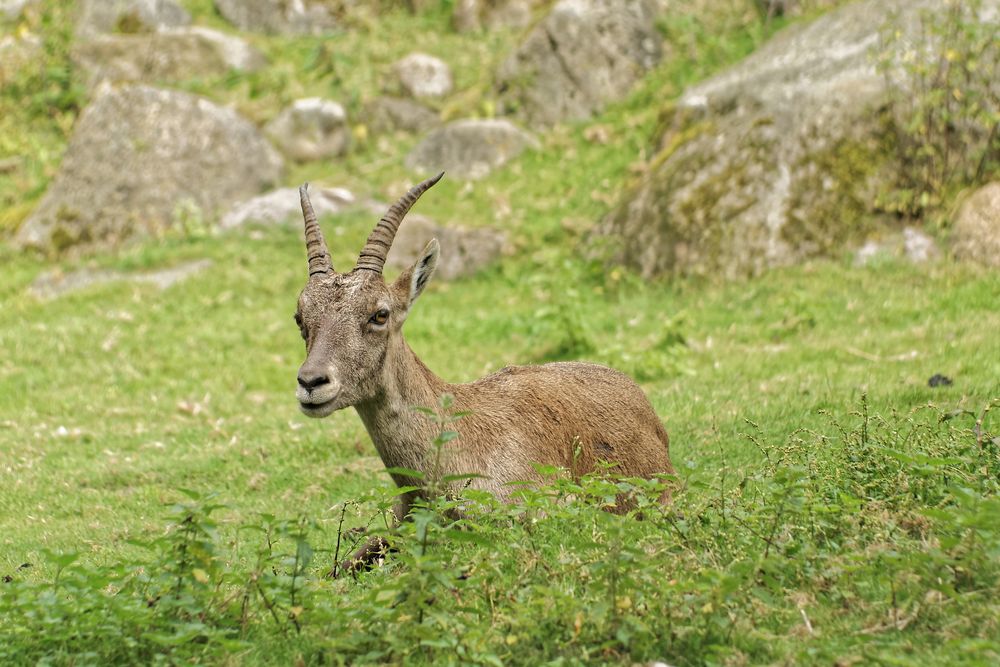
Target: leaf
point(469, 536)
point(200, 575)
point(387, 595)
point(458, 478)
point(61, 560)
point(405, 472)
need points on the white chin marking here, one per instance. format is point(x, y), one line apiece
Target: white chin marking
point(318, 411)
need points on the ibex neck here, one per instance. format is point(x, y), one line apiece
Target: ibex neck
point(401, 434)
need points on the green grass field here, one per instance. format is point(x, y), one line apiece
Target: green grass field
point(164, 501)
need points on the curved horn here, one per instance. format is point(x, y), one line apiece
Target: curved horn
point(376, 249)
point(319, 257)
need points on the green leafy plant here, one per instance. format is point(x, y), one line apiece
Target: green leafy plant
point(944, 111)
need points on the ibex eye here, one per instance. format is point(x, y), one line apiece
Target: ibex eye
point(302, 327)
point(380, 317)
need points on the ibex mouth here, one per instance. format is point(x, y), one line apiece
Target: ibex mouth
point(317, 410)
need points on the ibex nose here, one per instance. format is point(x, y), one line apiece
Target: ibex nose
point(309, 379)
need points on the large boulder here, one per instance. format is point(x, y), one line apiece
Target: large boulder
point(137, 156)
point(584, 54)
point(464, 251)
point(11, 9)
point(421, 75)
point(169, 55)
point(976, 228)
point(18, 53)
point(311, 129)
point(397, 114)
point(469, 15)
point(774, 160)
point(101, 16)
point(281, 17)
point(469, 148)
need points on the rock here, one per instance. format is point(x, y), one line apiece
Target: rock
point(772, 161)
point(169, 55)
point(102, 16)
point(282, 17)
point(470, 15)
point(17, 54)
point(976, 228)
point(469, 148)
point(282, 205)
point(391, 114)
point(311, 129)
point(137, 154)
point(10, 10)
point(51, 284)
point(584, 54)
point(422, 75)
point(918, 246)
point(911, 243)
point(463, 251)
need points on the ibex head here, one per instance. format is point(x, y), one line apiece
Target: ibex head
point(351, 321)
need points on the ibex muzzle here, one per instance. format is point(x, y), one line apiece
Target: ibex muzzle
point(572, 415)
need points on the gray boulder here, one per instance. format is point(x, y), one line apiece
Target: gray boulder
point(11, 9)
point(169, 55)
point(282, 205)
point(137, 156)
point(18, 53)
point(464, 251)
point(101, 16)
point(584, 54)
point(912, 244)
point(311, 129)
point(55, 283)
point(772, 161)
point(421, 75)
point(281, 17)
point(471, 15)
point(469, 148)
point(396, 114)
point(976, 228)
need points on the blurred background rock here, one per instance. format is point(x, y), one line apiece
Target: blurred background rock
point(747, 133)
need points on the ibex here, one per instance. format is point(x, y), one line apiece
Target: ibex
point(565, 414)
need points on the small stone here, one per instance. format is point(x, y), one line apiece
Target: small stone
point(422, 75)
point(918, 246)
point(938, 380)
point(282, 205)
point(311, 129)
point(391, 114)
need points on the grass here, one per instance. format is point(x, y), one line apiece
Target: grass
point(165, 501)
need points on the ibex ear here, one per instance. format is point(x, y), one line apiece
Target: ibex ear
point(412, 281)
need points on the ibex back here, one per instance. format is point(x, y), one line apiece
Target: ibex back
point(566, 414)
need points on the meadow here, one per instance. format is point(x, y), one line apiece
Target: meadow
point(164, 501)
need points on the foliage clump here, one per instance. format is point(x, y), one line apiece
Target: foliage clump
point(856, 544)
point(944, 118)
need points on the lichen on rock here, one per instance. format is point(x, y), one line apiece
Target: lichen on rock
point(773, 161)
